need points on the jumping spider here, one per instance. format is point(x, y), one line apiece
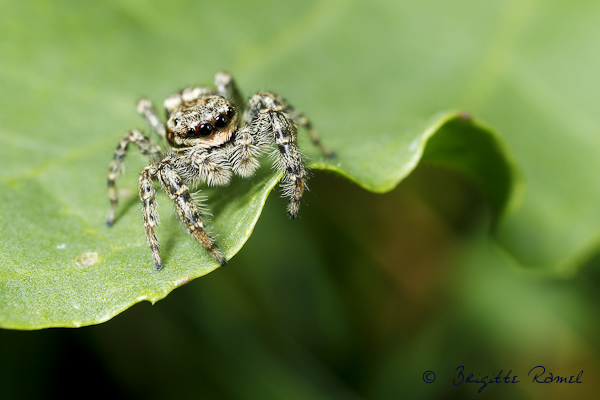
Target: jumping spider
point(209, 137)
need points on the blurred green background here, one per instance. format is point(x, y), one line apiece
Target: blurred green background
point(365, 292)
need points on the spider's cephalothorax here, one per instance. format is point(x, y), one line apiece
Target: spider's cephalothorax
point(209, 137)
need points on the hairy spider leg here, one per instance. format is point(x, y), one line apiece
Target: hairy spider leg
point(147, 147)
point(288, 158)
point(187, 209)
point(150, 213)
point(303, 121)
point(265, 100)
point(146, 109)
point(271, 124)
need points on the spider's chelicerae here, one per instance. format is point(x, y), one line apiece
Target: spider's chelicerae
point(210, 136)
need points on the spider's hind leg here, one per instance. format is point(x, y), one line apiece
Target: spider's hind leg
point(227, 88)
point(266, 100)
point(303, 121)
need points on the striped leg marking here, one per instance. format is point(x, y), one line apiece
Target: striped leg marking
point(289, 159)
point(270, 122)
point(282, 130)
point(147, 147)
point(186, 208)
point(150, 213)
point(301, 120)
point(267, 100)
point(146, 109)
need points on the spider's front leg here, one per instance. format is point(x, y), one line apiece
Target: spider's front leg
point(147, 147)
point(289, 160)
point(186, 208)
point(270, 123)
point(149, 212)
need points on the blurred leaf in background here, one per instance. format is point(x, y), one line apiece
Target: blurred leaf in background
point(365, 292)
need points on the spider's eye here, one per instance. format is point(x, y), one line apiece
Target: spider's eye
point(191, 132)
point(230, 111)
point(221, 121)
point(205, 129)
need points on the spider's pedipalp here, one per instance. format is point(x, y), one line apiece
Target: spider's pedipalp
point(210, 167)
point(244, 153)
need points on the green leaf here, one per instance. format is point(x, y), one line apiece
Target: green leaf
point(369, 75)
point(62, 267)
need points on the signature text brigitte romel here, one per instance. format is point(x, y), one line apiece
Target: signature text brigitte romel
point(535, 375)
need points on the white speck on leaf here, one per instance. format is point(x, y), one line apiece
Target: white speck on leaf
point(87, 259)
point(61, 246)
point(182, 281)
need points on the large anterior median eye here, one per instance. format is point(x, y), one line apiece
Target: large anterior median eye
point(205, 129)
point(221, 121)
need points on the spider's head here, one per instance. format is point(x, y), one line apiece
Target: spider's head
point(209, 122)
